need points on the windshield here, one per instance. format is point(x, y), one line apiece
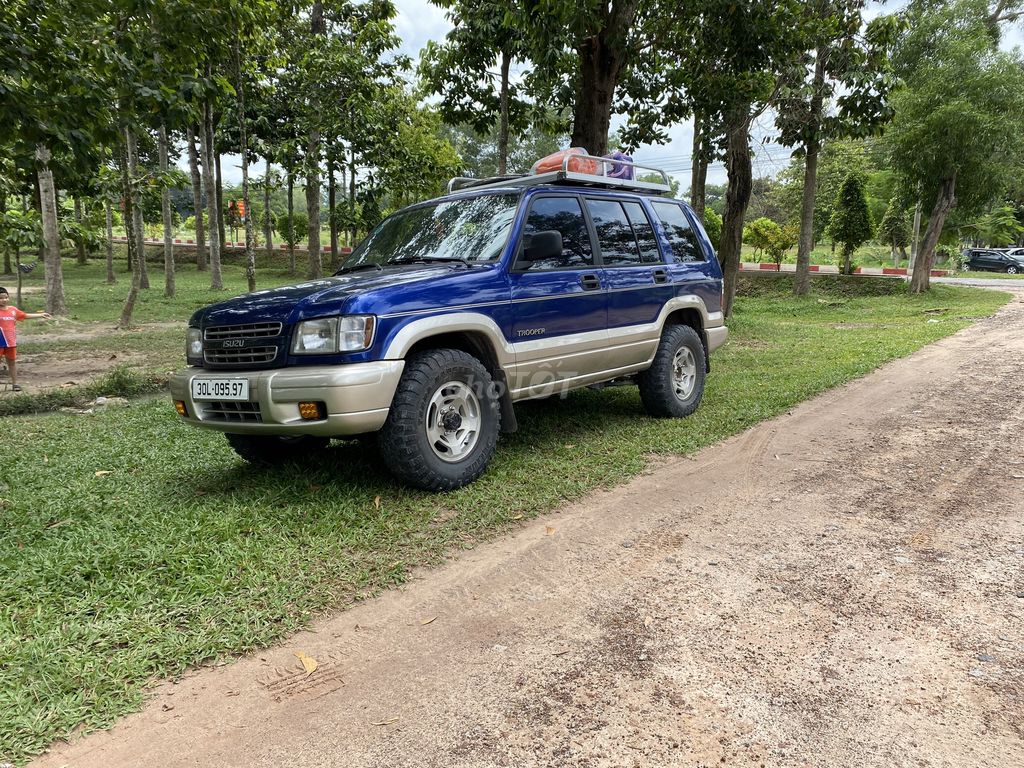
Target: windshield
point(473, 229)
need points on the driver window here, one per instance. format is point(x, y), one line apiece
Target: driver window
point(565, 215)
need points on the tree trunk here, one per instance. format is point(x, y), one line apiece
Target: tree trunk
point(197, 199)
point(354, 233)
point(268, 229)
point(847, 253)
point(313, 204)
point(944, 203)
point(222, 235)
point(332, 205)
point(139, 225)
point(602, 58)
point(915, 241)
point(210, 183)
point(699, 161)
point(318, 29)
point(737, 197)
point(506, 61)
point(51, 236)
point(7, 253)
point(802, 282)
point(132, 198)
point(82, 257)
point(250, 253)
point(291, 221)
point(109, 215)
point(165, 211)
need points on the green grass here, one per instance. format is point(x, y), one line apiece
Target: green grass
point(183, 555)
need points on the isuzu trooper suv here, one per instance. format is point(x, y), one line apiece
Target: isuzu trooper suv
point(451, 311)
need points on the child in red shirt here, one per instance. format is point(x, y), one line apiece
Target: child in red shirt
point(9, 317)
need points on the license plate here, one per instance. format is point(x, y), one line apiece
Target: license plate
point(220, 389)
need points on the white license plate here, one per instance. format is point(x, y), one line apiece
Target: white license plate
point(220, 389)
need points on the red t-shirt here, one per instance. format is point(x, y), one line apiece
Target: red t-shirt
point(9, 317)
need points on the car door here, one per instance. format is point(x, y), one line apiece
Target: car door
point(991, 260)
point(638, 278)
point(559, 305)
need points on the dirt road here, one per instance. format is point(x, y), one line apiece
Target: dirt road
point(841, 586)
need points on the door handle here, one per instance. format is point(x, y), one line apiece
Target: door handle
point(590, 282)
point(660, 276)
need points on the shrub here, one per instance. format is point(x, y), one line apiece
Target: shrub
point(713, 226)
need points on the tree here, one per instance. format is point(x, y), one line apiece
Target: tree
point(851, 220)
point(848, 58)
point(781, 242)
point(760, 234)
point(999, 227)
point(729, 72)
point(459, 70)
point(894, 229)
point(958, 117)
point(55, 103)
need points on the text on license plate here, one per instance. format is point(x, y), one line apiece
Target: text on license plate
point(220, 389)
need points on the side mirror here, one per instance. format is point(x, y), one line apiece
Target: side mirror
point(542, 245)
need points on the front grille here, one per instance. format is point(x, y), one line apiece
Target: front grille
point(245, 331)
point(232, 410)
point(246, 356)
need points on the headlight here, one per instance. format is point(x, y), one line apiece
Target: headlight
point(330, 335)
point(194, 346)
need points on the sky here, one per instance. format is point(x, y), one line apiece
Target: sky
point(418, 22)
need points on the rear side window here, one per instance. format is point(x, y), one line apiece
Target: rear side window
point(614, 233)
point(565, 215)
point(680, 234)
point(645, 236)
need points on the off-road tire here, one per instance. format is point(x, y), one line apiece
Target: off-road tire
point(274, 450)
point(658, 383)
point(404, 443)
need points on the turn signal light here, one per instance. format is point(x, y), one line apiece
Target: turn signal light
point(179, 406)
point(311, 411)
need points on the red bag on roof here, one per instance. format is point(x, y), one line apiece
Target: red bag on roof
point(576, 164)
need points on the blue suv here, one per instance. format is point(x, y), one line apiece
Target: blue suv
point(452, 310)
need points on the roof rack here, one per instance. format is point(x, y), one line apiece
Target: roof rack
point(565, 176)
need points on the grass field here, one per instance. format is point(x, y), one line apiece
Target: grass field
point(134, 546)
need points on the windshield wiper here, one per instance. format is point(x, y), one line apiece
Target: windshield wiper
point(357, 267)
point(430, 260)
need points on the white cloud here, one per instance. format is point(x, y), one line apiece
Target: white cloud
point(417, 22)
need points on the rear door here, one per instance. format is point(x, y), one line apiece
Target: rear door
point(559, 305)
point(638, 278)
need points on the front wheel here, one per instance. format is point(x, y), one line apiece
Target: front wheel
point(1012, 270)
point(444, 420)
point(673, 385)
point(271, 450)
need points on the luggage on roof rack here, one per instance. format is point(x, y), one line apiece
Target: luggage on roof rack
point(609, 172)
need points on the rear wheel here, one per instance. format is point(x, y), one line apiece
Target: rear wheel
point(444, 420)
point(673, 385)
point(270, 450)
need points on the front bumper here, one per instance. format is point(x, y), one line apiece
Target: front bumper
point(356, 399)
